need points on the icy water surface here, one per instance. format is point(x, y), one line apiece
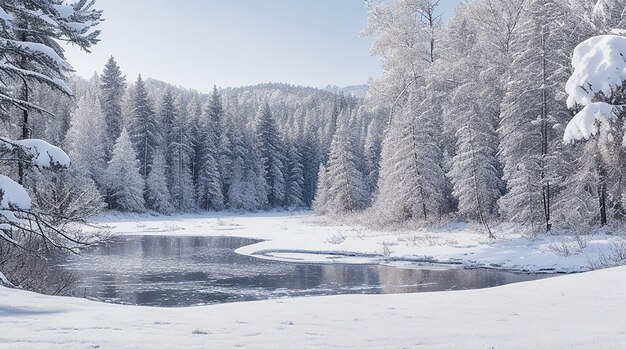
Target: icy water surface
point(185, 271)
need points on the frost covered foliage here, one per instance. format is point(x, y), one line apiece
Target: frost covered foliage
point(342, 187)
point(35, 208)
point(251, 148)
point(477, 112)
point(597, 89)
point(124, 183)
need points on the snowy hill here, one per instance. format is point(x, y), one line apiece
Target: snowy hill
point(359, 91)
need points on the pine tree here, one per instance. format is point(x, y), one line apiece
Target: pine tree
point(144, 131)
point(125, 184)
point(270, 150)
point(168, 120)
point(372, 150)
point(157, 194)
point(294, 179)
point(209, 190)
point(347, 190)
point(412, 181)
point(181, 177)
point(112, 87)
point(321, 203)
point(86, 139)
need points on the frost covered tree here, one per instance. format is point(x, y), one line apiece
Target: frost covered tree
point(270, 152)
point(470, 119)
point(124, 183)
point(112, 87)
point(157, 194)
point(294, 178)
point(344, 188)
point(143, 128)
point(209, 190)
point(221, 129)
point(531, 109)
point(86, 138)
point(412, 181)
point(321, 201)
point(596, 90)
point(180, 166)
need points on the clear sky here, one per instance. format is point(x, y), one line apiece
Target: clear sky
point(198, 43)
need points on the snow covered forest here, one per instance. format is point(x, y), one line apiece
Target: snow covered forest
point(489, 116)
point(145, 145)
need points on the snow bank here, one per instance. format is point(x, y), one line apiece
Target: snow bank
point(574, 311)
point(599, 66)
point(585, 124)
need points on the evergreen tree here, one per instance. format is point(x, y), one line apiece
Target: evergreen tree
point(270, 150)
point(168, 119)
point(125, 184)
point(412, 182)
point(294, 179)
point(321, 203)
point(209, 188)
point(86, 139)
point(144, 131)
point(180, 168)
point(157, 194)
point(112, 87)
point(347, 190)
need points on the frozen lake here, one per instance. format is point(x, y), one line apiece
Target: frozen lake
point(174, 271)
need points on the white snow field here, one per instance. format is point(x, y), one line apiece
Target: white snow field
point(574, 311)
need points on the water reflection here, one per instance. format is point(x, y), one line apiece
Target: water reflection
point(185, 271)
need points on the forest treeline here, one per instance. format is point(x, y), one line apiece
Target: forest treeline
point(147, 145)
point(477, 111)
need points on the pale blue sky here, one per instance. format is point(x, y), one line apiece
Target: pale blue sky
point(198, 43)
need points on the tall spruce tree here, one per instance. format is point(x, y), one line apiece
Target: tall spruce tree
point(112, 88)
point(294, 178)
point(346, 189)
point(270, 152)
point(144, 130)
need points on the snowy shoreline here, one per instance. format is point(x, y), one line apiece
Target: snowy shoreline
point(306, 238)
point(534, 314)
point(571, 311)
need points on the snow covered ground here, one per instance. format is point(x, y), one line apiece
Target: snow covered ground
point(304, 237)
point(573, 311)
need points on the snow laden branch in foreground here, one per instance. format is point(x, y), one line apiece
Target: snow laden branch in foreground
point(599, 70)
point(43, 153)
point(585, 124)
point(13, 197)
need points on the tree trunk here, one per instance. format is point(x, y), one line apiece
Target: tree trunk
point(602, 193)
